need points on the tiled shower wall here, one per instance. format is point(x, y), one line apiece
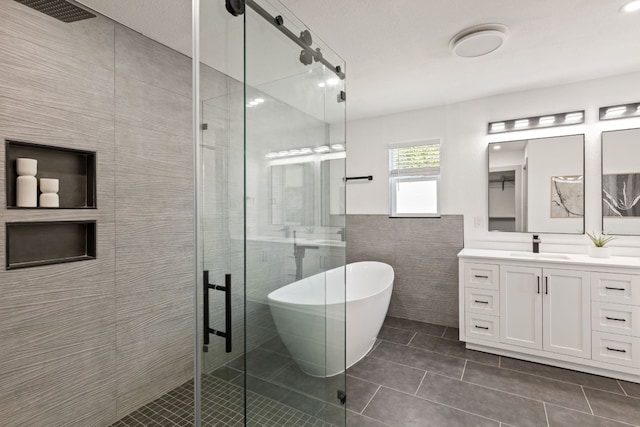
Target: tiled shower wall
point(85, 343)
point(422, 252)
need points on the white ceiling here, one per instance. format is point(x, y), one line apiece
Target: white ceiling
point(397, 52)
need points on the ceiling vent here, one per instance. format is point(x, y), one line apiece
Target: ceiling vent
point(479, 40)
point(59, 9)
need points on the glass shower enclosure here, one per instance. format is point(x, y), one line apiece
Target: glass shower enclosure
point(271, 210)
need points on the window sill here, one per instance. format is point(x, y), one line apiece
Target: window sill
point(416, 216)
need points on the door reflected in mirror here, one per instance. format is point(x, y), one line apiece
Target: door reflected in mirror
point(621, 182)
point(537, 185)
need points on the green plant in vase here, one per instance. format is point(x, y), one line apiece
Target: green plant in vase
point(599, 249)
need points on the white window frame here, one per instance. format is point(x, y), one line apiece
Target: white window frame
point(409, 176)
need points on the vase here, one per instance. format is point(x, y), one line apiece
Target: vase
point(599, 252)
point(49, 189)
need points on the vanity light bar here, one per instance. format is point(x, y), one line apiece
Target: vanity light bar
point(549, 120)
point(620, 111)
point(305, 151)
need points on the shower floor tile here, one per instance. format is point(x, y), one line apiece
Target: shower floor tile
point(222, 406)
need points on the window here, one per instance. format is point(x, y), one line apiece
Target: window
point(414, 176)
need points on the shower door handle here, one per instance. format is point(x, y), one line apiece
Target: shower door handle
point(207, 330)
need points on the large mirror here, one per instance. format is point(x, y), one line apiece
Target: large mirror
point(333, 192)
point(537, 185)
point(300, 185)
point(292, 195)
point(621, 182)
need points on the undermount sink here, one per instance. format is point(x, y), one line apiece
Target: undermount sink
point(538, 255)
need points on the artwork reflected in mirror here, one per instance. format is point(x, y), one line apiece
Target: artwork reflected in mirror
point(537, 185)
point(567, 196)
point(621, 182)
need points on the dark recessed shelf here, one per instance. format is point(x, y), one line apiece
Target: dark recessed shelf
point(42, 243)
point(76, 170)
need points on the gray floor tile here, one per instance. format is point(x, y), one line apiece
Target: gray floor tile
point(403, 410)
point(560, 374)
point(389, 374)
point(226, 373)
point(303, 403)
point(400, 336)
point(334, 415)
point(261, 363)
point(359, 392)
point(453, 348)
point(377, 343)
point(614, 406)
point(357, 420)
point(275, 344)
point(531, 386)
point(262, 387)
point(632, 389)
point(452, 334)
point(479, 400)
point(412, 325)
point(421, 359)
point(321, 388)
point(562, 417)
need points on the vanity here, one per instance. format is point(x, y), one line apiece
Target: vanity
point(566, 310)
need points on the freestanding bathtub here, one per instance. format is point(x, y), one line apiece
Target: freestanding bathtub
point(310, 314)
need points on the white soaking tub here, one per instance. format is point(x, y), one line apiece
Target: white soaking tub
point(310, 313)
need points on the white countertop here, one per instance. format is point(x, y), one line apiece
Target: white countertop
point(300, 241)
point(550, 258)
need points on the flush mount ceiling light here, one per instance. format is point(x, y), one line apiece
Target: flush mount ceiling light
point(547, 121)
point(632, 6)
point(478, 40)
point(620, 111)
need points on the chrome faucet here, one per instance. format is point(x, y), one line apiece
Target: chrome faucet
point(287, 231)
point(536, 244)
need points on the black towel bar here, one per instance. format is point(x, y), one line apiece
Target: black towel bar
point(351, 178)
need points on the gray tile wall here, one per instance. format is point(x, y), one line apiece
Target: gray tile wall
point(422, 252)
point(84, 343)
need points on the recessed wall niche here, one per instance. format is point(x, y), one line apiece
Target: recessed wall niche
point(75, 170)
point(41, 243)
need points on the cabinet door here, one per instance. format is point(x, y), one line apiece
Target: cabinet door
point(567, 312)
point(521, 306)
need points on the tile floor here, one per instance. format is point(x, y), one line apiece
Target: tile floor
point(418, 374)
point(222, 404)
point(423, 376)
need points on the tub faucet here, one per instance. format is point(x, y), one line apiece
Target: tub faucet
point(343, 234)
point(536, 244)
point(298, 254)
point(286, 230)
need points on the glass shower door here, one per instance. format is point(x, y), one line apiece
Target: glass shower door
point(294, 213)
point(273, 225)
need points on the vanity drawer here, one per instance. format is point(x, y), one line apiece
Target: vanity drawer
point(482, 301)
point(482, 327)
point(615, 318)
point(617, 349)
point(483, 276)
point(615, 288)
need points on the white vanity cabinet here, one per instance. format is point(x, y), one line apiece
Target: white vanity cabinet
point(545, 308)
point(565, 310)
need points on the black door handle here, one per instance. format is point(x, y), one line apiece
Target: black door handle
point(207, 330)
point(546, 285)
